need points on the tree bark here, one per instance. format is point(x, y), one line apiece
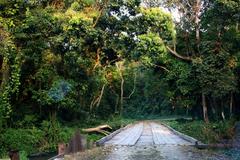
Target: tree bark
point(121, 97)
point(100, 12)
point(222, 110)
point(204, 105)
point(178, 55)
point(197, 24)
point(97, 99)
point(100, 96)
point(5, 74)
point(99, 129)
point(231, 105)
point(116, 104)
point(134, 87)
point(119, 67)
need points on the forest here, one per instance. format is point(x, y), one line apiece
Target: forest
point(67, 64)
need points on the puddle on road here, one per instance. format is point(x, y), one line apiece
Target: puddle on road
point(149, 153)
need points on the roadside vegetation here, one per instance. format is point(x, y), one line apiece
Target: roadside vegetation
point(45, 139)
point(211, 133)
point(68, 64)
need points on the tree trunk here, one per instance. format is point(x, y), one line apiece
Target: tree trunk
point(222, 110)
point(197, 24)
point(5, 74)
point(204, 105)
point(121, 97)
point(119, 67)
point(213, 107)
point(237, 26)
point(116, 104)
point(193, 111)
point(231, 105)
point(100, 96)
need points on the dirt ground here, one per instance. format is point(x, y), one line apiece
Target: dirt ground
point(167, 152)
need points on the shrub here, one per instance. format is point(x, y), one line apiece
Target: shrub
point(53, 134)
point(27, 140)
point(213, 132)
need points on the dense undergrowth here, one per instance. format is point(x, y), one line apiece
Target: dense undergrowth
point(45, 138)
point(213, 132)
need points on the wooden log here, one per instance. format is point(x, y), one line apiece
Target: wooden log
point(99, 129)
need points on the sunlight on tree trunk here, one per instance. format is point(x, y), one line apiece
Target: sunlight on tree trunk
point(100, 96)
point(134, 86)
point(4, 73)
point(197, 23)
point(120, 68)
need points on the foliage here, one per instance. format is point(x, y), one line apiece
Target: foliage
point(23, 155)
point(207, 133)
point(86, 61)
point(22, 139)
point(33, 140)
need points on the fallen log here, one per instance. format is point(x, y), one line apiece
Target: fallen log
point(99, 129)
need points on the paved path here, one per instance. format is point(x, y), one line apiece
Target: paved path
point(147, 133)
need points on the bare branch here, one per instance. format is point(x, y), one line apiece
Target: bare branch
point(164, 68)
point(97, 59)
point(100, 14)
point(134, 87)
point(178, 55)
point(119, 67)
point(100, 96)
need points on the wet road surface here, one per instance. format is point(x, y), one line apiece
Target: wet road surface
point(147, 133)
point(147, 140)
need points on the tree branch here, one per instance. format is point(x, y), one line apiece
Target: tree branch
point(134, 87)
point(178, 55)
point(100, 97)
point(100, 14)
point(164, 68)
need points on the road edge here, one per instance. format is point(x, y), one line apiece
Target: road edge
point(183, 136)
point(101, 141)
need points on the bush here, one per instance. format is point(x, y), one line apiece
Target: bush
point(23, 155)
point(213, 132)
point(34, 140)
point(27, 140)
point(54, 134)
